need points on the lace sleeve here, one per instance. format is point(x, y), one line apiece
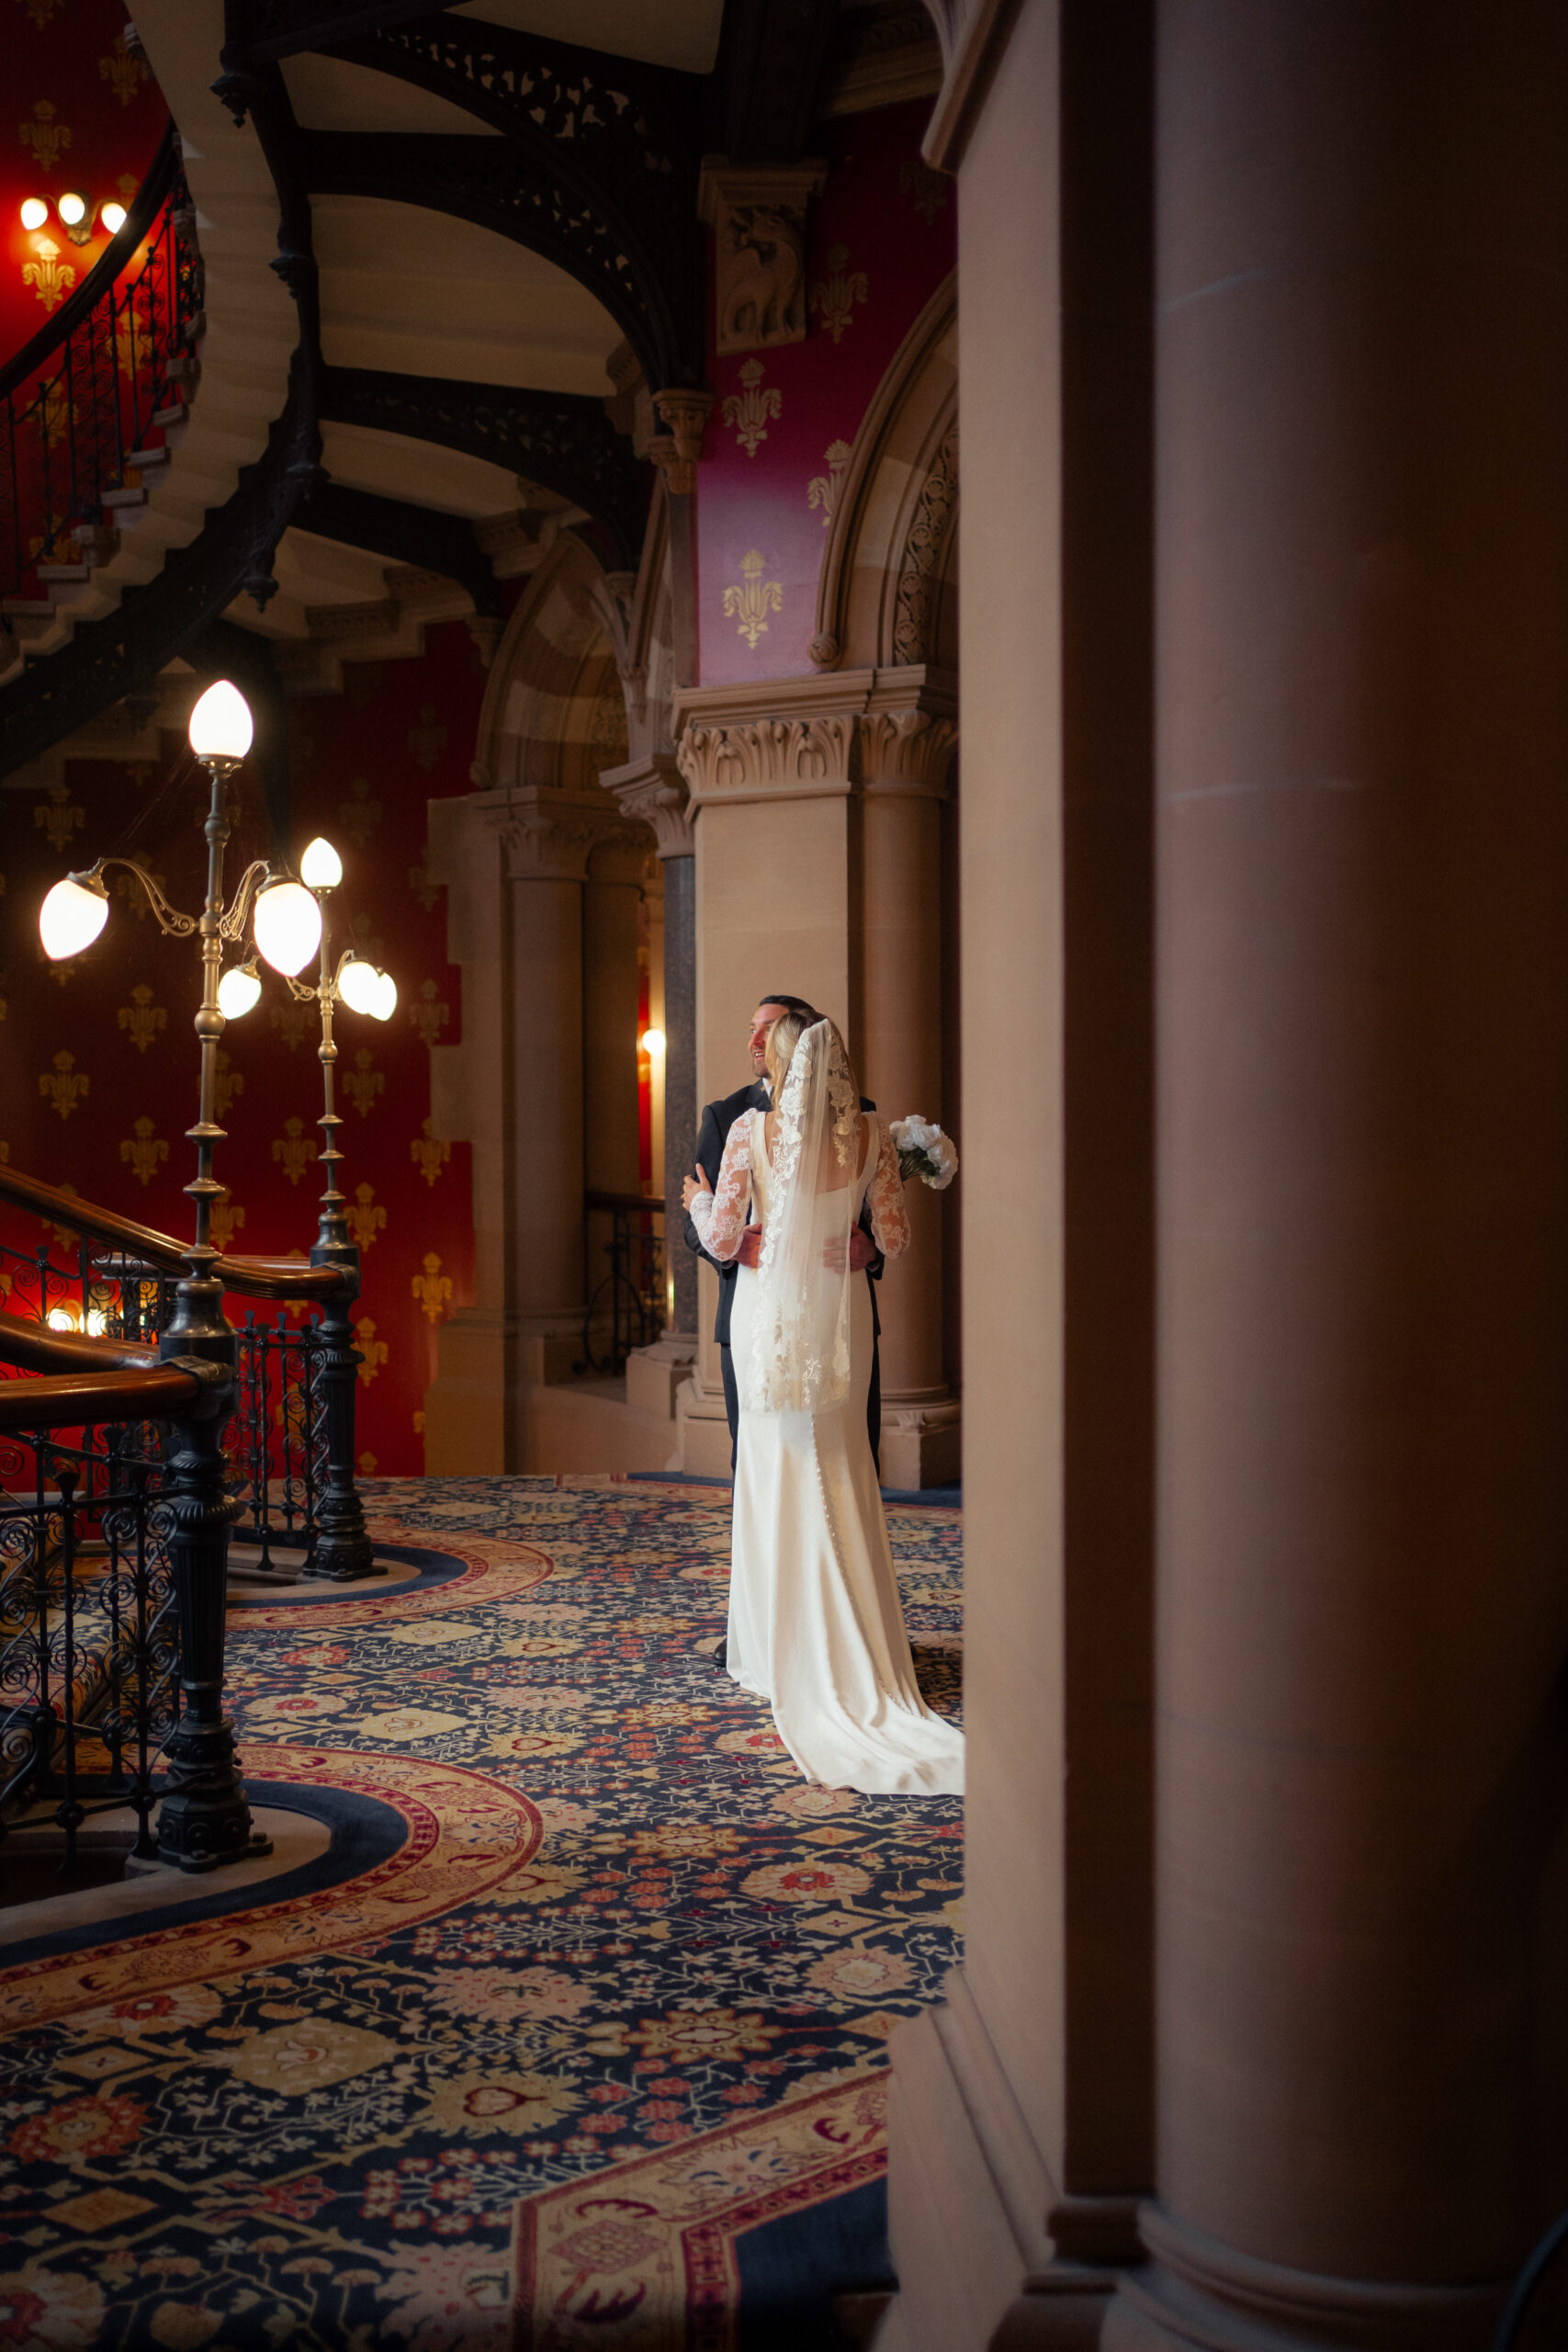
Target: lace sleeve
point(889, 1218)
point(721, 1218)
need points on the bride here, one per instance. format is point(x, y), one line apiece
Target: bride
point(814, 1621)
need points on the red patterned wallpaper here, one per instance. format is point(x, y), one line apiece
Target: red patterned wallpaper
point(82, 114)
point(882, 240)
point(98, 1061)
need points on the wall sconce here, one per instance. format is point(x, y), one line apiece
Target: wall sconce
point(651, 1043)
point(35, 212)
point(112, 218)
point(75, 213)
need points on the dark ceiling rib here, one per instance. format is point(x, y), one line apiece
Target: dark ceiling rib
point(563, 441)
point(618, 140)
point(765, 85)
point(403, 533)
point(255, 30)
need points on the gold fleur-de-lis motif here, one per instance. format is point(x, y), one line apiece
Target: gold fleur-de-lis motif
point(142, 1019)
point(290, 1021)
point(133, 337)
point(67, 1087)
point(293, 1149)
point(927, 190)
point(362, 1084)
point(429, 1153)
point(227, 1083)
point(823, 489)
point(421, 884)
point(46, 136)
point(59, 973)
point(60, 817)
point(373, 1351)
point(128, 888)
point(53, 417)
point(41, 11)
point(429, 1017)
point(143, 1152)
point(750, 604)
point(141, 773)
point(360, 813)
point(366, 1219)
point(64, 1234)
point(419, 1423)
point(428, 739)
point(433, 1289)
point(833, 297)
point(750, 410)
point(366, 1465)
point(125, 71)
point(227, 1218)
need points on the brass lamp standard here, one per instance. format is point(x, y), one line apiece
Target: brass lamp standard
point(205, 1818)
point(343, 1550)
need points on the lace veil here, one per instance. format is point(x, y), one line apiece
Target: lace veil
point(800, 1354)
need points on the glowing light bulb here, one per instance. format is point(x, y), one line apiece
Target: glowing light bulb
point(72, 209)
point(98, 1322)
point(35, 212)
point(652, 1042)
point(321, 868)
point(71, 917)
point(62, 1318)
point(359, 985)
point(220, 725)
point(237, 991)
point(387, 996)
point(287, 926)
point(113, 218)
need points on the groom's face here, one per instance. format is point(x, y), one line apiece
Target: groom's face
point(762, 1020)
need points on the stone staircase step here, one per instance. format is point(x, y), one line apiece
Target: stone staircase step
point(58, 574)
point(176, 413)
point(144, 458)
point(121, 500)
point(28, 608)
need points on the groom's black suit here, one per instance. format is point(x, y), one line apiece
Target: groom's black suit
point(712, 1136)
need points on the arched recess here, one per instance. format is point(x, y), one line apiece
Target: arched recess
point(552, 893)
point(885, 594)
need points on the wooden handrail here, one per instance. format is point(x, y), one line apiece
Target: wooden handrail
point(280, 1278)
point(38, 1348)
point(72, 1399)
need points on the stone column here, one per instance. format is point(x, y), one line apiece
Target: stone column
point(906, 755)
point(609, 1008)
point(769, 771)
point(1362, 874)
point(653, 790)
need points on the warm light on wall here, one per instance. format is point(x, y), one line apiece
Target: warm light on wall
point(652, 1042)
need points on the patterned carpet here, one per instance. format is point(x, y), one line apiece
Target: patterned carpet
point(597, 2001)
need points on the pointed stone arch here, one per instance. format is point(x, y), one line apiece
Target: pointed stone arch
point(885, 592)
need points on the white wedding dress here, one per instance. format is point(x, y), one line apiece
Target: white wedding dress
point(814, 1621)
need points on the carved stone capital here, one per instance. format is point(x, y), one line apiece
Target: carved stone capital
point(547, 836)
point(678, 451)
point(883, 731)
point(621, 856)
point(758, 217)
point(796, 758)
point(654, 791)
point(907, 750)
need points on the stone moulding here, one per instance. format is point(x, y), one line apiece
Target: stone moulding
point(890, 730)
point(758, 218)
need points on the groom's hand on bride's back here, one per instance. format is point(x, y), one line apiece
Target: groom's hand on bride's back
point(750, 1250)
point(861, 1251)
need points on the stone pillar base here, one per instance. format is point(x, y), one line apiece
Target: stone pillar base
point(655, 1376)
point(703, 1451)
point(921, 1445)
point(472, 1407)
point(1198, 2292)
point(988, 2252)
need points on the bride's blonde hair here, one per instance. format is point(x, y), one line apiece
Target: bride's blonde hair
point(786, 1033)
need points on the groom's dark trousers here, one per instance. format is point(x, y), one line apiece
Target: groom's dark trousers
point(712, 1136)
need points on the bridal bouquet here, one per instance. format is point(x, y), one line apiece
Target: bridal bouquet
point(924, 1151)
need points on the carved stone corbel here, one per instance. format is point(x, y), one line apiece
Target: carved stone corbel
point(547, 837)
point(907, 750)
point(678, 453)
point(758, 217)
point(653, 791)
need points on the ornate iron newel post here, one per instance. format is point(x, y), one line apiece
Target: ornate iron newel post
point(343, 1550)
point(205, 1818)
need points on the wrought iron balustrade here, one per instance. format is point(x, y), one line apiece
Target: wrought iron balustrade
point(84, 397)
point(626, 1306)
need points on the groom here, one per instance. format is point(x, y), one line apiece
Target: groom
point(712, 1135)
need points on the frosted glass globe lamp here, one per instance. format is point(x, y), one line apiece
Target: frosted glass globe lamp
point(237, 991)
point(73, 915)
point(220, 725)
point(287, 926)
point(359, 985)
point(321, 868)
point(112, 217)
point(35, 212)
